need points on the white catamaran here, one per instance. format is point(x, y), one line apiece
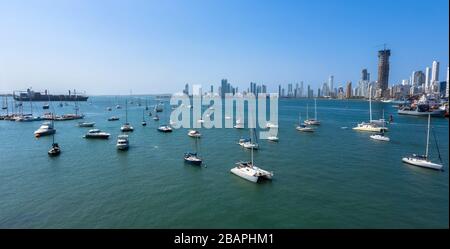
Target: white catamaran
point(250, 172)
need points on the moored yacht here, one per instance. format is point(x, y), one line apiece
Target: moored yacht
point(192, 158)
point(122, 142)
point(45, 129)
point(194, 133)
point(423, 160)
point(86, 124)
point(126, 127)
point(165, 128)
point(113, 118)
point(250, 172)
point(302, 127)
point(96, 133)
point(312, 121)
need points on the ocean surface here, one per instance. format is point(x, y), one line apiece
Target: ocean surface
point(333, 178)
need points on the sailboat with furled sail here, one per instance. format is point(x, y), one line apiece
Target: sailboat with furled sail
point(55, 150)
point(424, 160)
point(313, 121)
point(370, 126)
point(192, 157)
point(126, 127)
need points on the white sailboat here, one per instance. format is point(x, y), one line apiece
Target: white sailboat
point(126, 126)
point(423, 160)
point(370, 126)
point(302, 127)
point(192, 157)
point(313, 121)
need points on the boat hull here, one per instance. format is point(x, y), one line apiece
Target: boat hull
point(422, 163)
point(247, 177)
point(435, 113)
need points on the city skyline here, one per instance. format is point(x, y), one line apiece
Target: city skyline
point(140, 47)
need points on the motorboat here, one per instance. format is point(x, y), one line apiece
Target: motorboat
point(109, 109)
point(248, 144)
point(46, 106)
point(165, 128)
point(86, 124)
point(424, 160)
point(122, 142)
point(45, 129)
point(96, 133)
point(239, 124)
point(380, 137)
point(194, 133)
point(113, 118)
point(273, 138)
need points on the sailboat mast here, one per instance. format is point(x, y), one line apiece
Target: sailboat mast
point(370, 104)
point(307, 111)
point(126, 111)
point(428, 136)
point(315, 109)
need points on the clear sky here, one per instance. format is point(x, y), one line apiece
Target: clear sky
point(110, 47)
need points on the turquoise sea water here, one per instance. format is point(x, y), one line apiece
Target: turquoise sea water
point(333, 178)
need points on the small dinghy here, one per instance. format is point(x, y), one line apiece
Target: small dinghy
point(86, 124)
point(165, 128)
point(380, 137)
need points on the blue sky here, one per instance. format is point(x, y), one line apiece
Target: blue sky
point(110, 47)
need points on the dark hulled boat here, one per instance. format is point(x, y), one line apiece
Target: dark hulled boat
point(30, 95)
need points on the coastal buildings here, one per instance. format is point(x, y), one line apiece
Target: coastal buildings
point(446, 87)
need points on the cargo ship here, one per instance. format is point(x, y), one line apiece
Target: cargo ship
point(30, 95)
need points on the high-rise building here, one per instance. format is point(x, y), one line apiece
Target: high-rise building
point(186, 89)
point(435, 72)
point(309, 92)
point(301, 89)
point(223, 87)
point(212, 88)
point(290, 92)
point(383, 72)
point(264, 89)
point(364, 75)
point(330, 84)
point(279, 91)
point(418, 78)
point(427, 78)
point(348, 92)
